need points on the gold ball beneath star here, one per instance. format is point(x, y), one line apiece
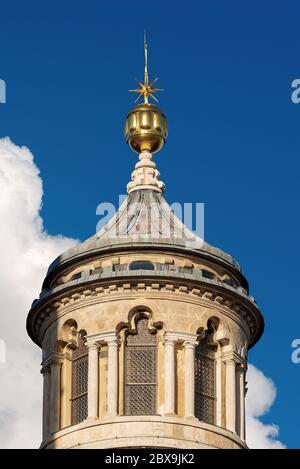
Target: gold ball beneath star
point(146, 128)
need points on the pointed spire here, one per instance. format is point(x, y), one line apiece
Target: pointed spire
point(146, 130)
point(146, 76)
point(145, 90)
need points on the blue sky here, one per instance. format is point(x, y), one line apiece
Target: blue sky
point(227, 69)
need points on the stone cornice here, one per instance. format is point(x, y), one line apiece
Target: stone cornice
point(108, 274)
point(231, 302)
point(66, 261)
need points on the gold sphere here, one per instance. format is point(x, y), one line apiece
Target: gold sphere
point(146, 128)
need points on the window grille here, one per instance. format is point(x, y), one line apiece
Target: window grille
point(79, 404)
point(204, 387)
point(140, 371)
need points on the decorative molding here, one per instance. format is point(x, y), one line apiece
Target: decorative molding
point(234, 357)
point(133, 286)
point(182, 337)
point(92, 345)
point(102, 338)
point(45, 369)
point(145, 175)
point(222, 336)
point(190, 344)
point(54, 358)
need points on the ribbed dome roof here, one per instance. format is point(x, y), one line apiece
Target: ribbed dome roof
point(144, 219)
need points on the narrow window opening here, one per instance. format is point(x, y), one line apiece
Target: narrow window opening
point(204, 386)
point(208, 274)
point(140, 371)
point(79, 404)
point(141, 265)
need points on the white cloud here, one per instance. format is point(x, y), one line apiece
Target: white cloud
point(26, 251)
point(260, 397)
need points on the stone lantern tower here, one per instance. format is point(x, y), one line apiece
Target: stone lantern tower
point(144, 328)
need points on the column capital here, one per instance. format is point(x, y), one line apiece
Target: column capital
point(45, 369)
point(109, 337)
point(233, 357)
point(112, 342)
point(230, 361)
point(169, 339)
point(169, 343)
point(92, 345)
point(190, 344)
point(54, 358)
point(174, 336)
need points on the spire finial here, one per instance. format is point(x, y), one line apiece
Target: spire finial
point(146, 77)
point(145, 89)
point(146, 127)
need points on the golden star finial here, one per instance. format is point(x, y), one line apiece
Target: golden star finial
point(145, 89)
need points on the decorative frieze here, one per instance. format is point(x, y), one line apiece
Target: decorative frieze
point(219, 299)
point(139, 288)
point(207, 294)
point(76, 297)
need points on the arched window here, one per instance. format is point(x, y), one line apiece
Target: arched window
point(76, 276)
point(204, 385)
point(79, 404)
point(141, 265)
point(205, 379)
point(140, 370)
point(208, 274)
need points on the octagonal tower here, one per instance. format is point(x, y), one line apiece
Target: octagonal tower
point(144, 327)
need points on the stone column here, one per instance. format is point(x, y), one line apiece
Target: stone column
point(230, 394)
point(46, 401)
point(169, 376)
point(189, 378)
point(218, 386)
point(241, 389)
point(66, 388)
point(112, 377)
point(93, 379)
point(56, 363)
